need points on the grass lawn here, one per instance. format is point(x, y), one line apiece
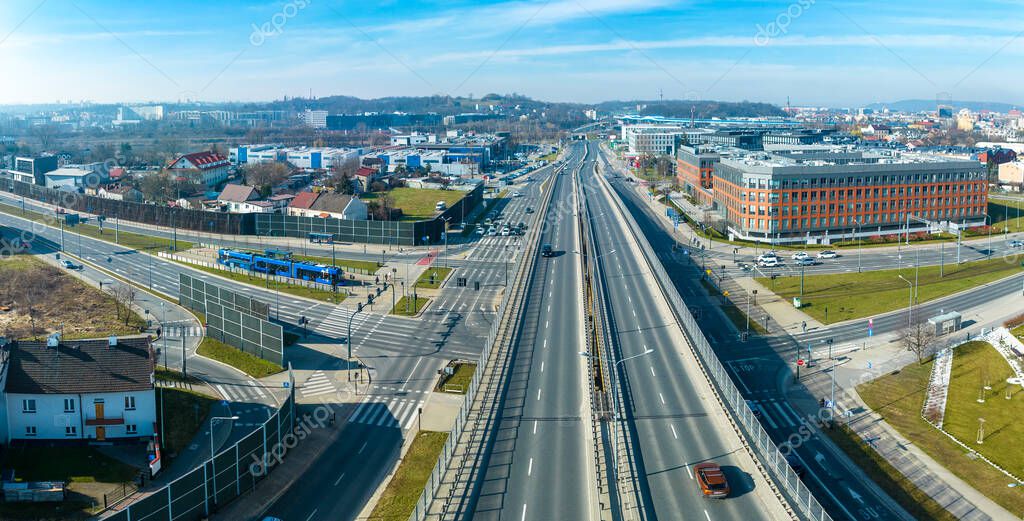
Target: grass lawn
point(185, 413)
point(399, 498)
point(458, 382)
point(74, 464)
point(349, 264)
point(128, 239)
point(251, 365)
point(439, 275)
point(550, 157)
point(739, 319)
point(414, 308)
point(57, 298)
point(856, 295)
point(1006, 213)
point(417, 204)
point(898, 399)
point(259, 280)
point(901, 489)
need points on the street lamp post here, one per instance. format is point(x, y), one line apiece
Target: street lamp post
point(213, 462)
point(860, 240)
point(615, 410)
point(348, 338)
point(910, 301)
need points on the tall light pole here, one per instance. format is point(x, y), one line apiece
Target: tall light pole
point(988, 222)
point(860, 246)
point(910, 302)
point(445, 234)
point(615, 410)
point(213, 462)
point(348, 338)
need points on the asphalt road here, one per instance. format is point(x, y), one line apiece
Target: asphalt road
point(762, 369)
point(671, 417)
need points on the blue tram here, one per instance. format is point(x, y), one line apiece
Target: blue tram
point(280, 263)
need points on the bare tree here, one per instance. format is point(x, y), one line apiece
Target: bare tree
point(918, 338)
point(46, 134)
point(124, 298)
point(263, 176)
point(341, 176)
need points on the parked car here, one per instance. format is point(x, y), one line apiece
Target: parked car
point(794, 462)
point(827, 254)
point(711, 480)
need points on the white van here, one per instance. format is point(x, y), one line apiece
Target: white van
point(440, 206)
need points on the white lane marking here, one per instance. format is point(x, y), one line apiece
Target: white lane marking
point(538, 394)
point(311, 514)
point(535, 426)
point(706, 515)
point(550, 294)
point(652, 371)
point(524, 512)
point(688, 473)
point(362, 448)
point(529, 470)
point(545, 343)
point(674, 435)
point(549, 308)
point(542, 367)
point(546, 324)
point(339, 479)
point(634, 313)
point(662, 398)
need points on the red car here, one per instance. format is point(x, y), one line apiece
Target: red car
point(711, 479)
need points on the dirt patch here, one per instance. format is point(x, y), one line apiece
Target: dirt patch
point(41, 297)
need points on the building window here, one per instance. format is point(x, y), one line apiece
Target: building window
point(129, 403)
point(69, 405)
point(28, 406)
point(71, 430)
point(30, 430)
point(131, 428)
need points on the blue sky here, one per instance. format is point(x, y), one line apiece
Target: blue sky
point(818, 52)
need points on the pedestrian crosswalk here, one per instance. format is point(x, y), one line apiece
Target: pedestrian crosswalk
point(317, 384)
point(387, 412)
point(183, 331)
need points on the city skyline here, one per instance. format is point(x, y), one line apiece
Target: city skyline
point(817, 54)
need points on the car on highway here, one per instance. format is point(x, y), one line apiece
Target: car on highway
point(755, 409)
point(492, 231)
point(546, 250)
point(516, 194)
point(1016, 244)
point(529, 209)
point(711, 480)
point(806, 261)
point(794, 463)
point(70, 265)
point(827, 254)
point(768, 255)
point(800, 255)
point(480, 230)
point(769, 262)
point(505, 231)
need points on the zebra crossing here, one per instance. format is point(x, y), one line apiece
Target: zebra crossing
point(387, 412)
point(316, 385)
point(183, 331)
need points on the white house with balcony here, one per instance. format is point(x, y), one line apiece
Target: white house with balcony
point(86, 390)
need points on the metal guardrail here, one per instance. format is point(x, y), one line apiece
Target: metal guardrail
point(769, 455)
point(498, 340)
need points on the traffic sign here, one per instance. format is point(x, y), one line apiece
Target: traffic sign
point(800, 362)
point(285, 384)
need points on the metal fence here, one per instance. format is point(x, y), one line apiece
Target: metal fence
point(219, 480)
point(771, 457)
point(434, 481)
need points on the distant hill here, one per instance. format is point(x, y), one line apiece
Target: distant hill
point(701, 108)
point(922, 105)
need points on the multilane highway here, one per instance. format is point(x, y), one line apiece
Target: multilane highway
point(676, 420)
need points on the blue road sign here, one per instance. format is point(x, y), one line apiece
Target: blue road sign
point(285, 384)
